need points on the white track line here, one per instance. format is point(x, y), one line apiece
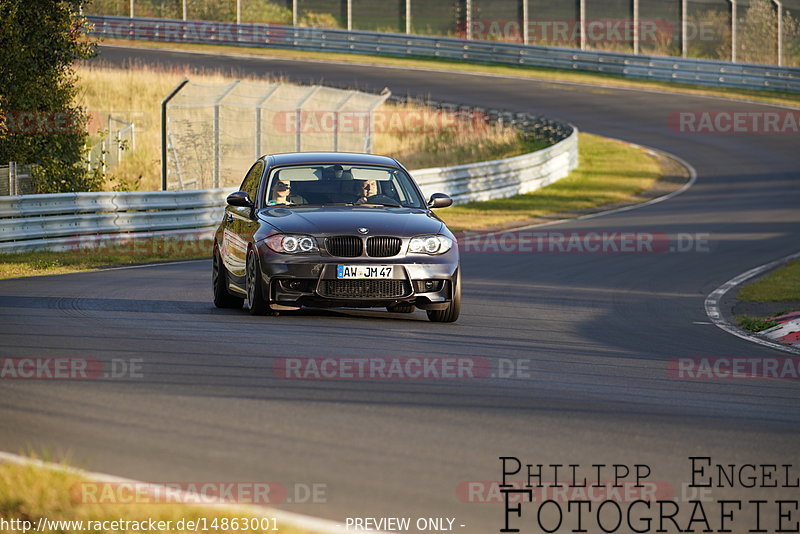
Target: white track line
point(299, 521)
point(714, 313)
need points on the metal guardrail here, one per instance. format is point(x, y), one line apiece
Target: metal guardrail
point(502, 178)
point(695, 71)
point(69, 221)
point(73, 221)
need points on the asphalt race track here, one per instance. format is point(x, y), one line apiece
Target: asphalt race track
point(596, 331)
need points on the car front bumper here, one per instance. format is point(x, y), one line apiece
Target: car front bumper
point(311, 280)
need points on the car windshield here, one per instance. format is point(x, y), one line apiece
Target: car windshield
point(326, 184)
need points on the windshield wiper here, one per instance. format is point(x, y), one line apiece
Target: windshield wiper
point(386, 204)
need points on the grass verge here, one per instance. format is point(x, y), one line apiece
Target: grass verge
point(128, 252)
point(789, 99)
point(611, 174)
point(28, 493)
point(780, 285)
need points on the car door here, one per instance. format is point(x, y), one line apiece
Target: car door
point(238, 225)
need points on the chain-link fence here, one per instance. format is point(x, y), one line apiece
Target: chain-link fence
point(109, 150)
point(215, 131)
point(15, 179)
point(753, 31)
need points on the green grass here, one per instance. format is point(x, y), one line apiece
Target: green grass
point(31, 492)
point(782, 284)
point(130, 252)
point(610, 172)
point(792, 99)
point(754, 324)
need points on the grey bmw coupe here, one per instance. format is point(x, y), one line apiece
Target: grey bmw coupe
point(335, 230)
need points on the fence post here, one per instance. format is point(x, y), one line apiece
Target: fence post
point(635, 26)
point(526, 37)
point(238, 12)
point(12, 178)
point(298, 140)
point(217, 153)
point(734, 24)
point(295, 18)
point(780, 32)
point(349, 14)
point(408, 16)
point(184, 10)
point(582, 16)
point(684, 28)
point(164, 132)
point(131, 9)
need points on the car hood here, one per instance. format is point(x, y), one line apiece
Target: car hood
point(345, 220)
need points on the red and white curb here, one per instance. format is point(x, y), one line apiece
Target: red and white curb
point(290, 519)
point(787, 331)
point(713, 310)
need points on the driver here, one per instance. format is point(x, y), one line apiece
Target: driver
point(282, 194)
point(363, 189)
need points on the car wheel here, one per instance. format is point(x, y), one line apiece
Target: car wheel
point(219, 275)
point(402, 307)
point(450, 314)
point(255, 290)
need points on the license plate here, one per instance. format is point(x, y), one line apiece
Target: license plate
point(364, 271)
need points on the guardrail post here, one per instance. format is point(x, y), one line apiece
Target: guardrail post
point(164, 131)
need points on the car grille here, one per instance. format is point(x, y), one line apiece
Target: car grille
point(359, 289)
point(346, 246)
point(383, 247)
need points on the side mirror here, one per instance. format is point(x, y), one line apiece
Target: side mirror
point(240, 199)
point(439, 200)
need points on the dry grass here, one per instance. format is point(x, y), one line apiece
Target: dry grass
point(135, 95)
point(29, 492)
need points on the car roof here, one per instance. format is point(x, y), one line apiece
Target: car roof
point(347, 158)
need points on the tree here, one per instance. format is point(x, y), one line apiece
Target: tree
point(39, 121)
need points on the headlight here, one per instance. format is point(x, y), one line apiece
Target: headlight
point(292, 244)
point(430, 244)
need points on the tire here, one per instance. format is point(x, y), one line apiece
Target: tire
point(255, 289)
point(222, 298)
point(403, 307)
point(451, 313)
